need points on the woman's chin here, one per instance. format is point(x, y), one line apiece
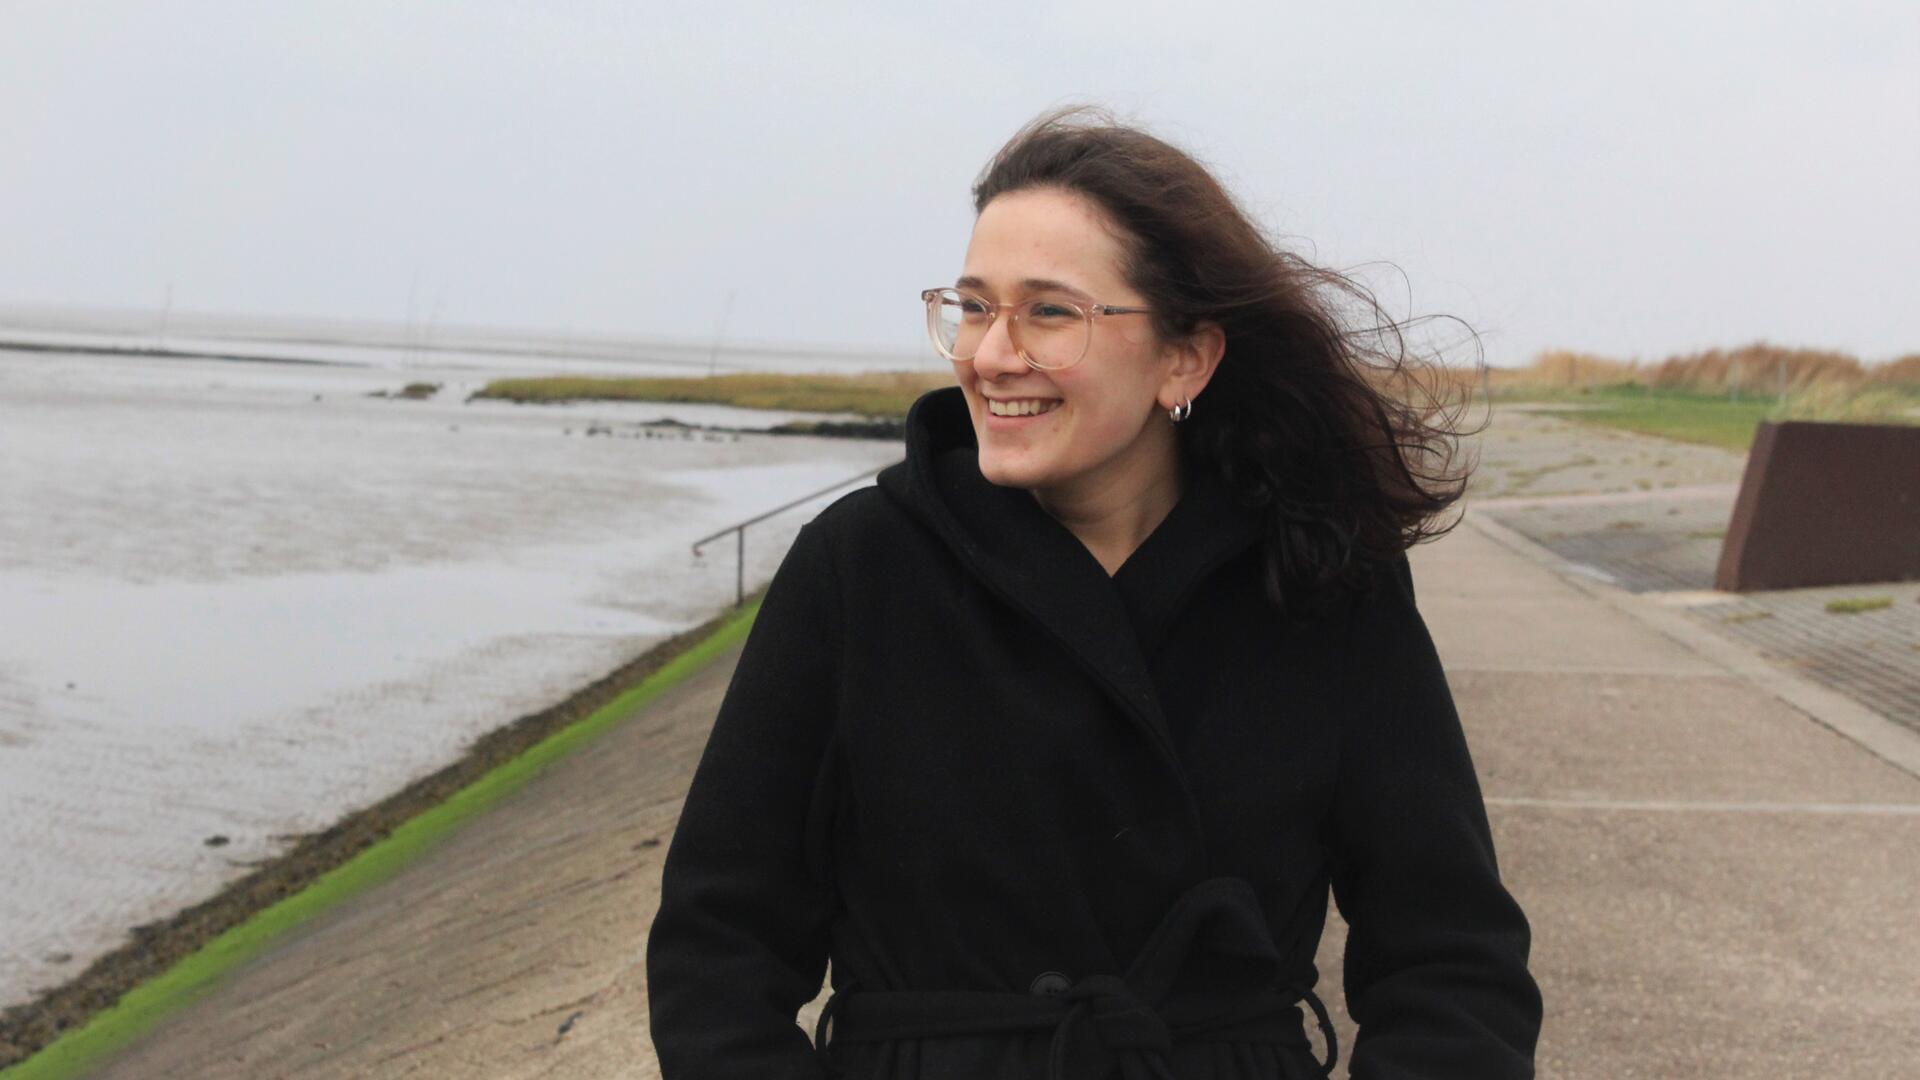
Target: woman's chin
point(1003, 473)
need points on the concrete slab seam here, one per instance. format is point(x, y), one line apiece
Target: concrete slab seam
point(1708, 806)
point(1607, 498)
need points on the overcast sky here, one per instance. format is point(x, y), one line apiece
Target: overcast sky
point(1632, 179)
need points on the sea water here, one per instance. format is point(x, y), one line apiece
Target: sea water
point(243, 599)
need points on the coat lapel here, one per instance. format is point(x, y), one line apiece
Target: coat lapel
point(1205, 529)
point(1040, 567)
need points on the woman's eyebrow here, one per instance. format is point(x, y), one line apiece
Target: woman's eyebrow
point(1029, 284)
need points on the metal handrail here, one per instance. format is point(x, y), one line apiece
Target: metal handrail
point(739, 529)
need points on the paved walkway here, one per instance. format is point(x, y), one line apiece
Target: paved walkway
point(1667, 544)
point(1721, 882)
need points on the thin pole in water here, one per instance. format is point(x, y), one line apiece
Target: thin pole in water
point(740, 567)
point(166, 315)
point(719, 332)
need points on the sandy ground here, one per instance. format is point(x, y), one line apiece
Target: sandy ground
point(240, 600)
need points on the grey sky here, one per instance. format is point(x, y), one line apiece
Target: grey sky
point(1629, 179)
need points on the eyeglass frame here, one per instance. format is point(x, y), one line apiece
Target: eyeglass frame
point(1088, 311)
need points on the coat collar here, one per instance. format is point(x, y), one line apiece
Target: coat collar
point(1110, 624)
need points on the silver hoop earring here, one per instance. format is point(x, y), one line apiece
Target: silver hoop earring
point(1181, 411)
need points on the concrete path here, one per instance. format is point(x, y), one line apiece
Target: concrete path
point(1720, 884)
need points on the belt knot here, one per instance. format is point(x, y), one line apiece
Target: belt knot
point(1123, 1023)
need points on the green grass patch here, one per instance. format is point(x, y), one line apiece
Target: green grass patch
point(1716, 419)
point(1856, 605)
point(880, 394)
point(139, 1010)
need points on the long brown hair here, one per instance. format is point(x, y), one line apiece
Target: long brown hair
point(1313, 418)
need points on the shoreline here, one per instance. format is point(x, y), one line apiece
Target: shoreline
point(161, 948)
point(886, 428)
point(159, 353)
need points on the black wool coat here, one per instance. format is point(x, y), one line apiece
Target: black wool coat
point(1048, 823)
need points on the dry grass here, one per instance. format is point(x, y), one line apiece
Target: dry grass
point(1835, 400)
point(1715, 397)
point(1905, 370)
point(1562, 367)
point(1756, 370)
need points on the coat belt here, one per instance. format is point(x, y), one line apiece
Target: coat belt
point(1138, 1016)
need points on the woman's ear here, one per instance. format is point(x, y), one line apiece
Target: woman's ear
point(1196, 358)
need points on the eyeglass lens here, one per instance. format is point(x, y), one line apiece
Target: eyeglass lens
point(1053, 332)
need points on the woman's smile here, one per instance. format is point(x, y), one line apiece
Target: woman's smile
point(1007, 415)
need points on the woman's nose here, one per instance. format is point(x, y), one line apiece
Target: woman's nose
point(996, 354)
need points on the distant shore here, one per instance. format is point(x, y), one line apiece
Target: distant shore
point(881, 395)
point(156, 352)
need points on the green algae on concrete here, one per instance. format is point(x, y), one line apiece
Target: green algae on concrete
point(1856, 605)
point(142, 1008)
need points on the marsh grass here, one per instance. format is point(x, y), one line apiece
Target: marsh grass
point(1757, 371)
point(885, 394)
point(1717, 397)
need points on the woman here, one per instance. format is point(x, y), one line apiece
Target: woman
point(1055, 740)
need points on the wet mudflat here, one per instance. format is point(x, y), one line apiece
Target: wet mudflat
point(241, 600)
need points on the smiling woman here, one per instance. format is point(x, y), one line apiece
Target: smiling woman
point(1056, 742)
point(1081, 445)
point(1325, 426)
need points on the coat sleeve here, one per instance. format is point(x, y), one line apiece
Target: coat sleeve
point(741, 938)
point(1435, 971)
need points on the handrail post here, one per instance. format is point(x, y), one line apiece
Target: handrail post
point(740, 532)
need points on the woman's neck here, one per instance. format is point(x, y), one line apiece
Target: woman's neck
point(1113, 514)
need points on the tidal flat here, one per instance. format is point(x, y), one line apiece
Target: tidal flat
point(239, 600)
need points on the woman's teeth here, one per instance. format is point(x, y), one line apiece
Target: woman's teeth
point(1021, 408)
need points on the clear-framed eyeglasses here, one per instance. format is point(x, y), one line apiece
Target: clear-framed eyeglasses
point(1049, 332)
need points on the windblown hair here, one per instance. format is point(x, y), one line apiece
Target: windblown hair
point(1315, 420)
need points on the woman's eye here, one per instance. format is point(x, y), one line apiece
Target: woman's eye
point(1041, 309)
point(973, 307)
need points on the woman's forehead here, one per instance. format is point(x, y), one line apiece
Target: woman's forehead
point(1043, 235)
